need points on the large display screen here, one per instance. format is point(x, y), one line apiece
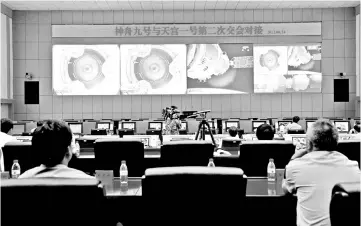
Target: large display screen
point(167, 69)
point(153, 69)
point(86, 70)
point(219, 68)
point(293, 68)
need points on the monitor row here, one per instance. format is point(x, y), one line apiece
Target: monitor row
point(218, 126)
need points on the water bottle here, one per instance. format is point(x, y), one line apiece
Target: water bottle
point(211, 163)
point(15, 169)
point(123, 173)
point(271, 171)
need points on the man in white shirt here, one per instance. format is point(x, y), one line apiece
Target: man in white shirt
point(5, 137)
point(314, 171)
point(52, 145)
point(294, 125)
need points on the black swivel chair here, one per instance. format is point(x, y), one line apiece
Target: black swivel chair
point(186, 153)
point(350, 148)
point(22, 151)
point(254, 156)
point(122, 132)
point(345, 204)
point(110, 152)
point(194, 195)
point(98, 132)
point(52, 201)
point(231, 145)
point(296, 131)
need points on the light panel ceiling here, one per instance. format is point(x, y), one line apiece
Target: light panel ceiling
point(172, 5)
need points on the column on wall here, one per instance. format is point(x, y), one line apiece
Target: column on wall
point(6, 66)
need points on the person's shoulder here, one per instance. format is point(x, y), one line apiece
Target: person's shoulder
point(74, 173)
point(30, 173)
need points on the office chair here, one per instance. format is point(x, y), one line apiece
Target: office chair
point(350, 148)
point(231, 145)
point(110, 152)
point(240, 133)
point(52, 201)
point(296, 131)
point(22, 151)
point(345, 204)
point(98, 132)
point(186, 153)
point(190, 195)
point(155, 132)
point(122, 132)
point(254, 155)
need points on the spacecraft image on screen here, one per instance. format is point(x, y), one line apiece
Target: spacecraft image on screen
point(281, 69)
point(219, 68)
point(153, 69)
point(86, 70)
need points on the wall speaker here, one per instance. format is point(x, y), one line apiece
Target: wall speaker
point(31, 92)
point(341, 90)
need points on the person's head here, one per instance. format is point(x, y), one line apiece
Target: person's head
point(6, 126)
point(39, 123)
point(232, 131)
point(322, 135)
point(295, 119)
point(265, 132)
point(357, 126)
point(52, 143)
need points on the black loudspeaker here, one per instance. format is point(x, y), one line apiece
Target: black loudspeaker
point(341, 90)
point(31, 92)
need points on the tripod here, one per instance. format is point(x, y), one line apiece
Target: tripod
point(202, 127)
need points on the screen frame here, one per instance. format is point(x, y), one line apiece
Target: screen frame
point(307, 122)
point(19, 124)
point(348, 125)
point(108, 123)
point(156, 122)
point(230, 121)
point(278, 123)
point(186, 125)
point(258, 121)
point(129, 122)
point(76, 123)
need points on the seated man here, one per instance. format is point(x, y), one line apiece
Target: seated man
point(294, 125)
point(52, 143)
point(232, 131)
point(6, 131)
point(356, 128)
point(265, 132)
point(5, 136)
point(38, 125)
point(314, 171)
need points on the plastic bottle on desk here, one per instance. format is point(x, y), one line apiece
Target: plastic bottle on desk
point(123, 173)
point(211, 163)
point(15, 169)
point(271, 171)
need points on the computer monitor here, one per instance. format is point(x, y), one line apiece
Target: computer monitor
point(300, 141)
point(309, 123)
point(229, 124)
point(184, 126)
point(19, 128)
point(255, 124)
point(103, 125)
point(76, 128)
point(155, 125)
point(128, 125)
point(342, 126)
point(281, 125)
